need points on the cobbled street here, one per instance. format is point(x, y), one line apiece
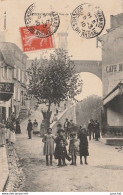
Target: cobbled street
point(103, 172)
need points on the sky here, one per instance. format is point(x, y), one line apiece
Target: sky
point(79, 48)
point(92, 85)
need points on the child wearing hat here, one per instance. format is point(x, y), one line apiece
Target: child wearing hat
point(73, 147)
point(60, 150)
point(48, 140)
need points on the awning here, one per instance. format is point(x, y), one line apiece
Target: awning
point(118, 90)
point(6, 91)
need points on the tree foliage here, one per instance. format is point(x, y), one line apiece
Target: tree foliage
point(53, 80)
point(89, 108)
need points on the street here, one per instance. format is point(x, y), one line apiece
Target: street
point(103, 172)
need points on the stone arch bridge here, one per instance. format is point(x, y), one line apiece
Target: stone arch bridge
point(94, 67)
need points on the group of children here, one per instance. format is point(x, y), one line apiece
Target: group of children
point(78, 145)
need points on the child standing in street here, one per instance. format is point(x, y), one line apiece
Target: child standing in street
point(60, 150)
point(83, 145)
point(48, 140)
point(73, 147)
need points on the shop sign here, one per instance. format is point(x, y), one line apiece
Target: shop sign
point(6, 91)
point(114, 68)
point(7, 88)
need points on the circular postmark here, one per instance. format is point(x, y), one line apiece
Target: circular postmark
point(88, 21)
point(39, 23)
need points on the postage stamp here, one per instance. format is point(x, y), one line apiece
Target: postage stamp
point(41, 24)
point(30, 42)
point(88, 21)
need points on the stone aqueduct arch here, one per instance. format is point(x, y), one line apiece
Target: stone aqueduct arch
point(91, 66)
point(94, 67)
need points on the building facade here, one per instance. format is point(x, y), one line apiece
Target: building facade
point(12, 70)
point(112, 78)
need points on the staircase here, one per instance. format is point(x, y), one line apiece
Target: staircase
point(24, 113)
point(69, 113)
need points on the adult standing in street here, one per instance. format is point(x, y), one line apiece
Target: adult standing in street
point(2, 134)
point(29, 129)
point(91, 129)
point(83, 145)
point(70, 127)
point(66, 126)
point(97, 130)
point(35, 127)
point(12, 132)
point(18, 129)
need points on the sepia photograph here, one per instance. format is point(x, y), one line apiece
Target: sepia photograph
point(61, 96)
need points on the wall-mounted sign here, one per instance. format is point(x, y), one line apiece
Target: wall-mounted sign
point(6, 87)
point(6, 91)
point(114, 68)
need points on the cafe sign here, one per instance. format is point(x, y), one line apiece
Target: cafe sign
point(6, 91)
point(114, 68)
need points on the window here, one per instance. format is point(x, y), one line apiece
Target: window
point(23, 77)
point(18, 94)
point(8, 74)
point(5, 72)
point(19, 74)
point(15, 72)
point(14, 92)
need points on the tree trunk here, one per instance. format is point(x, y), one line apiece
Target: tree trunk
point(46, 116)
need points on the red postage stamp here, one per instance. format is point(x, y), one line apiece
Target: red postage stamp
point(31, 42)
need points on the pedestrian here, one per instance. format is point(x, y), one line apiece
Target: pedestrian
point(35, 127)
point(73, 147)
point(60, 150)
point(59, 126)
point(91, 129)
point(7, 131)
point(13, 118)
point(83, 147)
point(12, 138)
point(97, 130)
point(48, 140)
point(64, 106)
point(2, 134)
point(66, 126)
point(29, 129)
point(70, 127)
point(18, 129)
point(57, 111)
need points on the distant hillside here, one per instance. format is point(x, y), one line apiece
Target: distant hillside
point(88, 108)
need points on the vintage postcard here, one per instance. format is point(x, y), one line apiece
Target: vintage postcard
point(61, 96)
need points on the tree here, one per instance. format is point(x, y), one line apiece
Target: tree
point(53, 80)
point(88, 108)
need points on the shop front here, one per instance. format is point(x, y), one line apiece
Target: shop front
point(113, 113)
point(6, 93)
